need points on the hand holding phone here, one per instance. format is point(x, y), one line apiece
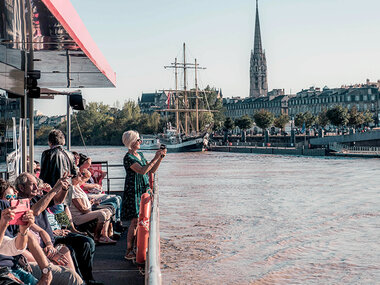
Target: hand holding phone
point(19, 207)
point(163, 147)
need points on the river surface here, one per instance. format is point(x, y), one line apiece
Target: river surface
point(230, 218)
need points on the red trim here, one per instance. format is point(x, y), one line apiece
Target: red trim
point(66, 14)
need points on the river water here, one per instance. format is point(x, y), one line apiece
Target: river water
point(260, 219)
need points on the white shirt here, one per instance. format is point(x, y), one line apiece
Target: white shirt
point(78, 193)
point(8, 247)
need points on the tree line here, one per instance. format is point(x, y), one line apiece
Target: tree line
point(337, 116)
point(101, 124)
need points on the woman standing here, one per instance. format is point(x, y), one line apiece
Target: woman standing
point(136, 182)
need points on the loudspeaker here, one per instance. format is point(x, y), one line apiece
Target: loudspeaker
point(77, 102)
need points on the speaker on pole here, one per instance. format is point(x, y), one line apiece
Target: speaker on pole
point(77, 102)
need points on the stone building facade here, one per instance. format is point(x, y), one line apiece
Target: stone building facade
point(238, 107)
point(365, 97)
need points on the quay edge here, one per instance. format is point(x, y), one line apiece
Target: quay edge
point(270, 150)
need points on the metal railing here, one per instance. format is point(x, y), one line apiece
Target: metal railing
point(107, 170)
point(354, 149)
point(152, 264)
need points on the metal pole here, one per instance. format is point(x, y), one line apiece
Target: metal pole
point(68, 124)
point(24, 101)
point(30, 100)
point(68, 118)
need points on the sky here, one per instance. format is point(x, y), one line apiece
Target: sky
point(307, 43)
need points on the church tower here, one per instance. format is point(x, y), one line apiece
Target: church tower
point(258, 66)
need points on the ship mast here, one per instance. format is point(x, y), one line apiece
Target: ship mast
point(196, 99)
point(186, 106)
point(176, 96)
point(184, 88)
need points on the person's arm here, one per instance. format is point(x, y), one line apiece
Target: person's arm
point(22, 237)
point(49, 249)
point(88, 186)
point(6, 216)
point(154, 168)
point(63, 185)
point(80, 205)
point(41, 259)
point(136, 167)
point(44, 202)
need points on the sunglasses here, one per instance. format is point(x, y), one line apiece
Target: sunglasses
point(139, 140)
point(10, 196)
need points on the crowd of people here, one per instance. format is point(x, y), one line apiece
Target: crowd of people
point(54, 241)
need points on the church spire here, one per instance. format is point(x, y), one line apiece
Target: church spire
point(258, 66)
point(258, 47)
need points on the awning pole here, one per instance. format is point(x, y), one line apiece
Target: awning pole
point(24, 99)
point(30, 100)
point(68, 119)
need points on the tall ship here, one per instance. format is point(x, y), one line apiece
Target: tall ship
point(185, 134)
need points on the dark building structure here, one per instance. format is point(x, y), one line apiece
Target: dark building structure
point(258, 66)
point(153, 102)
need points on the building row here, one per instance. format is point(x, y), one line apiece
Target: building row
point(365, 97)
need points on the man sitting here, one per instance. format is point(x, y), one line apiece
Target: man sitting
point(82, 247)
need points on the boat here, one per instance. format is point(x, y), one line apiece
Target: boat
point(177, 142)
point(150, 142)
point(185, 136)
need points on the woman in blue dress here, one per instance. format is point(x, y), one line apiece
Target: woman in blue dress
point(136, 183)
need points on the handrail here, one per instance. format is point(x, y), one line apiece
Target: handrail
point(152, 264)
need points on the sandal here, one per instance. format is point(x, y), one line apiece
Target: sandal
point(106, 240)
point(130, 255)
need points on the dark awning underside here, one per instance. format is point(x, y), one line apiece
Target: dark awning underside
point(64, 51)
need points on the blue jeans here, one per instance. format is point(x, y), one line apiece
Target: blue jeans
point(24, 276)
point(115, 201)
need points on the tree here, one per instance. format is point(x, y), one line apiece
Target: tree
point(322, 119)
point(244, 123)
point(355, 118)
point(281, 121)
point(229, 124)
point(367, 118)
point(338, 116)
point(263, 119)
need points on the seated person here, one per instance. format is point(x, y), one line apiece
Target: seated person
point(42, 269)
point(16, 245)
point(95, 191)
point(104, 199)
point(81, 248)
point(81, 211)
point(59, 255)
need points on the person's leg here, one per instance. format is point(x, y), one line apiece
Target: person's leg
point(131, 238)
point(115, 201)
point(83, 248)
point(61, 275)
point(24, 276)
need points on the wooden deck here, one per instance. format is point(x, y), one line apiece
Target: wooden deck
point(111, 268)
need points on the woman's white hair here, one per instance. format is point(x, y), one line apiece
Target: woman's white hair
point(129, 138)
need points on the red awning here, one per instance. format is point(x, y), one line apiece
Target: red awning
point(67, 16)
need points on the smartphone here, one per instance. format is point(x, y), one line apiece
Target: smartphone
point(22, 205)
point(162, 146)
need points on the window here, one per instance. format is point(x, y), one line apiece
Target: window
point(357, 98)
